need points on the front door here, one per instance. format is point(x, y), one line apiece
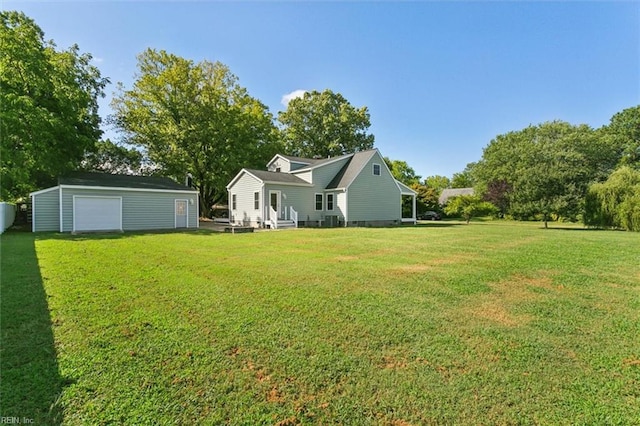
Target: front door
point(274, 203)
point(181, 213)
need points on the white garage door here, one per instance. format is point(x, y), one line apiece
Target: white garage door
point(97, 213)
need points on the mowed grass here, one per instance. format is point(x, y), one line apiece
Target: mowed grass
point(491, 323)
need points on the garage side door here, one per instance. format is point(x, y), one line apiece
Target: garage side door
point(97, 213)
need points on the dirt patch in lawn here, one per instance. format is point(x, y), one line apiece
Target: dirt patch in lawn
point(431, 264)
point(498, 304)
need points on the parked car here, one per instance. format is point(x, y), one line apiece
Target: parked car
point(429, 215)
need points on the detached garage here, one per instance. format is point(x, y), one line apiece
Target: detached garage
point(86, 202)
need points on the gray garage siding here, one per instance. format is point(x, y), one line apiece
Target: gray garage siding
point(46, 211)
point(140, 210)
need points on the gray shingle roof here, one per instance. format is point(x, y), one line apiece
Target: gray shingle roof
point(453, 192)
point(276, 177)
point(351, 169)
point(121, 181)
point(299, 159)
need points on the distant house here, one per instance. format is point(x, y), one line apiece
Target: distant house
point(350, 190)
point(85, 202)
point(453, 192)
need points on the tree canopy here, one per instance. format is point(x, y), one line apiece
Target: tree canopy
point(402, 172)
point(544, 171)
point(324, 124)
point(616, 202)
point(194, 118)
point(463, 179)
point(468, 207)
point(624, 134)
point(49, 116)
point(109, 157)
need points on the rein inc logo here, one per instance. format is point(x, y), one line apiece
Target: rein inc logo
point(16, 421)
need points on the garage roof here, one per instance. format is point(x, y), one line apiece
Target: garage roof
point(121, 181)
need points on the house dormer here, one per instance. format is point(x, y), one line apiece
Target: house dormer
point(287, 164)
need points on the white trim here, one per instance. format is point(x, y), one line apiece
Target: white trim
point(235, 179)
point(278, 203)
point(73, 229)
point(265, 208)
point(118, 188)
point(254, 200)
point(285, 159)
point(306, 185)
point(175, 212)
point(42, 191)
point(315, 201)
point(346, 207)
point(60, 208)
point(373, 169)
point(234, 201)
point(333, 202)
point(33, 213)
point(198, 210)
point(407, 190)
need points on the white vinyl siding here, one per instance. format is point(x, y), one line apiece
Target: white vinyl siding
point(243, 202)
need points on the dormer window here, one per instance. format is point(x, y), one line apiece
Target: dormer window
point(376, 169)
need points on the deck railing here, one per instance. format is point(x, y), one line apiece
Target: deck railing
point(273, 217)
point(293, 216)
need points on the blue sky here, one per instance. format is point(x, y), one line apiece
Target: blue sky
point(440, 79)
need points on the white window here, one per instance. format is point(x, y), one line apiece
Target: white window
point(233, 202)
point(376, 169)
point(256, 200)
point(329, 201)
point(319, 202)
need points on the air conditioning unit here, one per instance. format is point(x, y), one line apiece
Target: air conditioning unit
point(331, 221)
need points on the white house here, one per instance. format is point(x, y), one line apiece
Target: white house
point(350, 190)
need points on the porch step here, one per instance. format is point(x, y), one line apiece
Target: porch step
point(286, 224)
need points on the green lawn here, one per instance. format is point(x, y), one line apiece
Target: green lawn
point(491, 323)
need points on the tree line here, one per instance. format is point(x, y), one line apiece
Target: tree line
point(181, 117)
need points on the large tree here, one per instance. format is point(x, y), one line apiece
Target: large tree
point(194, 118)
point(109, 157)
point(623, 134)
point(468, 207)
point(49, 116)
point(545, 170)
point(463, 179)
point(402, 172)
point(437, 183)
point(616, 202)
point(324, 124)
